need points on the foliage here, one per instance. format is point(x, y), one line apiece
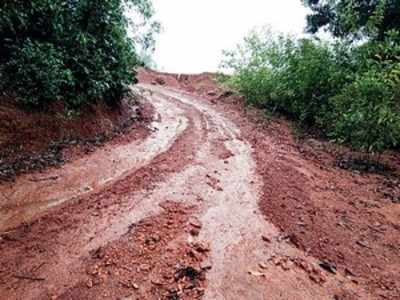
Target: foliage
point(250, 64)
point(354, 18)
point(366, 114)
point(350, 92)
point(77, 51)
point(294, 76)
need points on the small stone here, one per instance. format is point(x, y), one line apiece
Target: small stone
point(156, 282)
point(329, 267)
point(89, 283)
point(201, 248)
point(144, 267)
point(135, 286)
point(266, 239)
point(195, 223)
point(194, 231)
point(206, 266)
point(257, 274)
point(262, 265)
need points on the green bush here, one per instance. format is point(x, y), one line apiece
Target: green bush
point(75, 51)
point(38, 72)
point(293, 76)
point(350, 92)
point(252, 72)
point(366, 114)
point(305, 79)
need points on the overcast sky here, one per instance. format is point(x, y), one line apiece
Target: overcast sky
point(196, 31)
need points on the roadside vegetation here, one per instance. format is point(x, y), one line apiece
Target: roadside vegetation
point(77, 52)
point(348, 87)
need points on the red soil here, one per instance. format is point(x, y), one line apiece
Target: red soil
point(145, 264)
point(33, 140)
point(54, 243)
point(198, 84)
point(347, 218)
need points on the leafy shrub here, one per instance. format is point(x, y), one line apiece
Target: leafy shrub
point(305, 79)
point(250, 63)
point(38, 72)
point(366, 114)
point(293, 76)
point(351, 92)
point(75, 51)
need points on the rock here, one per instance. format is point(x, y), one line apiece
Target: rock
point(329, 267)
point(89, 283)
point(194, 254)
point(263, 265)
point(195, 223)
point(266, 239)
point(206, 266)
point(144, 267)
point(363, 244)
point(194, 232)
point(257, 274)
point(201, 248)
point(349, 272)
point(294, 240)
point(99, 253)
point(157, 282)
point(212, 93)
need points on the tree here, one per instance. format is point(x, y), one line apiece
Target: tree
point(77, 51)
point(354, 18)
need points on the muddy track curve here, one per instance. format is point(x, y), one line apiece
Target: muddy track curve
point(195, 156)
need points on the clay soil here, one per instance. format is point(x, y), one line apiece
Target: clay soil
point(346, 217)
point(32, 139)
point(207, 199)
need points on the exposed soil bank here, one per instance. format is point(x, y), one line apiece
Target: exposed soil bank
point(34, 140)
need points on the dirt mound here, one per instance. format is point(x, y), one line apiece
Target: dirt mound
point(203, 84)
point(34, 140)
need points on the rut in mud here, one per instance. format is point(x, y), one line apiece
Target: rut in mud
point(196, 178)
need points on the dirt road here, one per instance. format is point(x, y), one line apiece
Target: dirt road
point(174, 216)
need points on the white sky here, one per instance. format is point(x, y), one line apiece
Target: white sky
point(196, 31)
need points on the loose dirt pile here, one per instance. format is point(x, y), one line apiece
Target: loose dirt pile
point(203, 84)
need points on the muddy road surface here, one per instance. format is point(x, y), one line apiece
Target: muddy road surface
point(173, 216)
